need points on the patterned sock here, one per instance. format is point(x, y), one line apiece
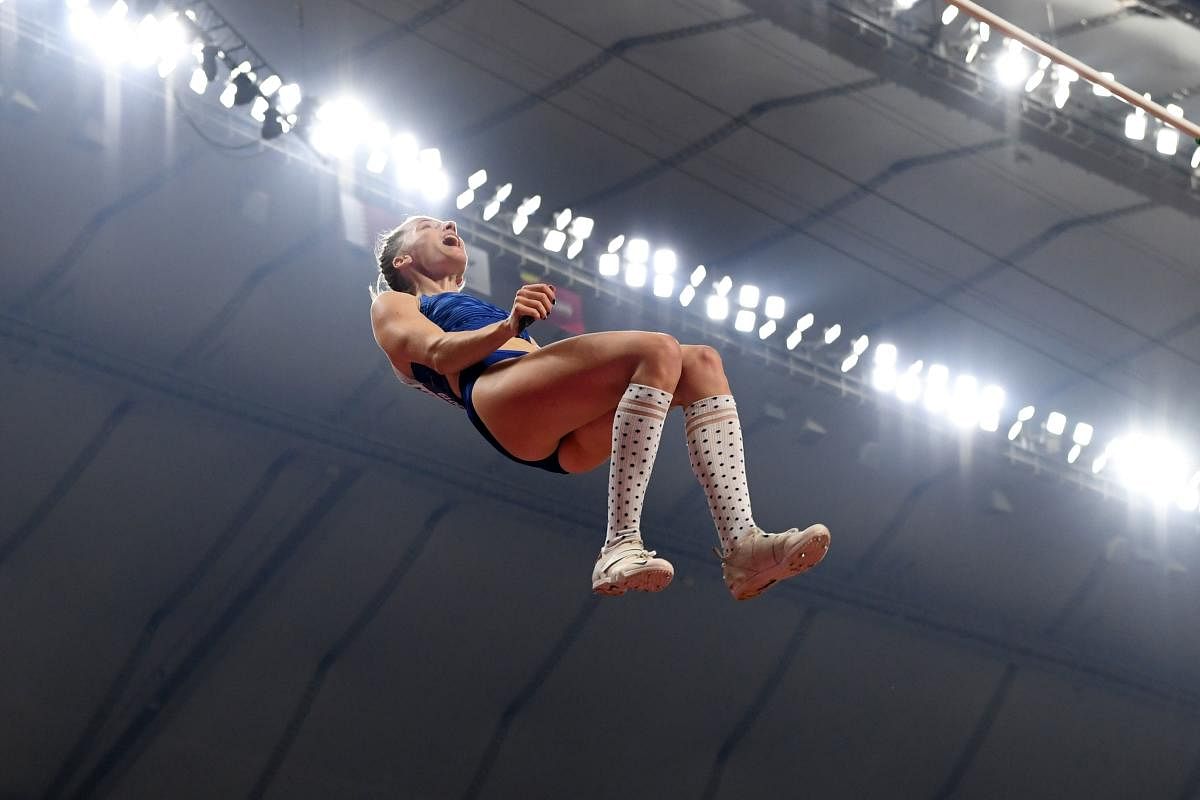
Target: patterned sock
point(714, 438)
point(637, 429)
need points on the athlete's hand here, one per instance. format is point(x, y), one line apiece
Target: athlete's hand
point(532, 303)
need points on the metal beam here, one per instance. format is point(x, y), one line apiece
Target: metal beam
point(1092, 144)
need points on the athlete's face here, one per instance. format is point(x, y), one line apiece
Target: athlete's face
point(435, 246)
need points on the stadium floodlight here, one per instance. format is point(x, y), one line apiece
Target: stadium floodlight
point(339, 124)
point(635, 274)
point(491, 209)
point(936, 393)
point(1150, 465)
point(860, 345)
point(949, 15)
point(723, 286)
point(964, 401)
point(664, 284)
point(288, 99)
point(884, 377)
point(581, 227)
point(1101, 91)
point(697, 276)
point(616, 243)
point(1064, 77)
point(83, 22)
point(745, 320)
point(519, 223)
point(766, 329)
point(575, 248)
point(378, 141)
point(199, 82)
point(774, 307)
point(259, 108)
point(610, 265)
point(748, 296)
point(1015, 430)
point(717, 307)
point(405, 156)
point(1135, 125)
point(271, 85)
point(908, 385)
point(1035, 80)
point(1100, 463)
point(1056, 423)
point(832, 333)
point(991, 402)
point(885, 354)
point(805, 322)
point(1167, 140)
point(228, 95)
point(1012, 68)
point(504, 192)
point(793, 339)
point(1083, 434)
point(664, 261)
point(849, 362)
point(478, 178)
point(554, 241)
point(562, 219)
point(462, 201)
point(1073, 455)
point(1026, 414)
point(905, 5)
point(1196, 158)
point(687, 295)
point(637, 251)
point(530, 205)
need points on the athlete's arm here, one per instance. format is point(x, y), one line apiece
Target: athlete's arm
point(407, 335)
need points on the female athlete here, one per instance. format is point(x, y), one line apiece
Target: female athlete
point(572, 405)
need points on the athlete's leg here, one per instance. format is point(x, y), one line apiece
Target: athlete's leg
point(531, 403)
point(702, 375)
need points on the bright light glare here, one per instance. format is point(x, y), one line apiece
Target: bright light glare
point(964, 402)
point(717, 307)
point(610, 265)
point(339, 124)
point(1015, 430)
point(883, 377)
point(530, 205)
point(1012, 68)
point(554, 240)
point(748, 296)
point(1073, 456)
point(860, 345)
point(936, 393)
point(519, 223)
point(1135, 125)
point(687, 295)
point(745, 321)
point(767, 329)
point(289, 98)
point(270, 85)
point(908, 386)
point(832, 333)
point(1196, 158)
point(1167, 141)
point(503, 192)
point(664, 285)
point(793, 339)
point(805, 322)
point(635, 274)
point(491, 210)
point(581, 227)
point(774, 307)
point(1026, 413)
point(949, 15)
point(199, 83)
point(723, 286)
point(1083, 434)
point(697, 276)
point(1099, 90)
point(664, 261)
point(462, 201)
point(616, 243)
point(637, 250)
point(575, 248)
point(1056, 423)
point(562, 219)
point(477, 179)
point(849, 362)
point(1150, 465)
point(885, 355)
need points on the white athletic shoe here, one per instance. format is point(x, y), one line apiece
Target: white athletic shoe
point(758, 560)
point(628, 566)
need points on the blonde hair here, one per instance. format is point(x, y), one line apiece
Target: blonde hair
point(389, 245)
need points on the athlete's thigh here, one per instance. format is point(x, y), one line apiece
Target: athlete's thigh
point(530, 403)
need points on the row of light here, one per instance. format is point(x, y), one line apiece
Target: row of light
point(1013, 69)
point(1146, 464)
point(165, 42)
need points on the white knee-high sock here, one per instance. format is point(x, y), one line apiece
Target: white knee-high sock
point(637, 430)
point(714, 437)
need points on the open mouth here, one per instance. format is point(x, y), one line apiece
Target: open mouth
point(450, 240)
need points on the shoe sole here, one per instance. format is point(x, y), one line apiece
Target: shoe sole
point(807, 556)
point(653, 579)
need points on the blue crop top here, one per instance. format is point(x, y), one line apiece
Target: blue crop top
point(454, 311)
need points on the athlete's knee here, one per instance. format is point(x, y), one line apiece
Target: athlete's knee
point(702, 358)
point(661, 353)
